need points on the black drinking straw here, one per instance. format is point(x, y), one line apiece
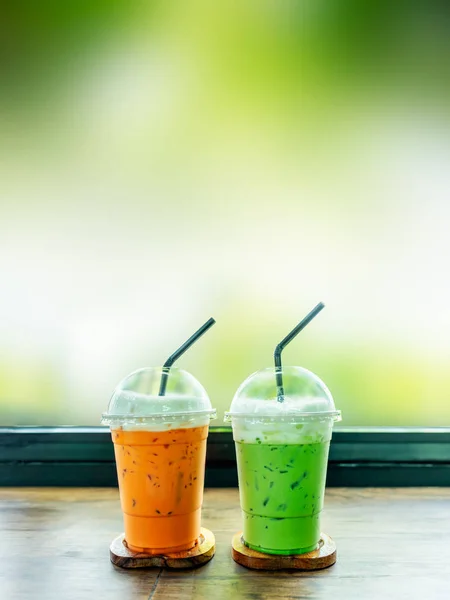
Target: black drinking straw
point(284, 342)
point(181, 350)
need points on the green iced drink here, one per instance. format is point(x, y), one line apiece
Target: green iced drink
point(281, 490)
point(282, 455)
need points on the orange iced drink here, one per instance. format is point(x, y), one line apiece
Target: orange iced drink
point(160, 447)
point(161, 476)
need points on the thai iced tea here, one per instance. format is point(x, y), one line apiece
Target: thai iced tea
point(161, 475)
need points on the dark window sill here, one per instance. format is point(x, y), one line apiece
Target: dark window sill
point(83, 456)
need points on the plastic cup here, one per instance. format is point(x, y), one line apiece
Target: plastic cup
point(160, 449)
point(282, 455)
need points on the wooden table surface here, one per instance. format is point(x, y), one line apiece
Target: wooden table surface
point(392, 544)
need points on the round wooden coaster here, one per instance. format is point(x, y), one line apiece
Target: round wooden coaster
point(200, 554)
point(324, 556)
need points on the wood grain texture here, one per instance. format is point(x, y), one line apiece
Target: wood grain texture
point(392, 543)
point(321, 558)
point(202, 553)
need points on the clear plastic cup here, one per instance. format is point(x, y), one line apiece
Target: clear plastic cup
point(160, 449)
point(282, 455)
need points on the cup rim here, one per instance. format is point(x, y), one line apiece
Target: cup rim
point(108, 418)
point(334, 415)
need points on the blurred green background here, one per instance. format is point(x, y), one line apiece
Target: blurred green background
point(163, 162)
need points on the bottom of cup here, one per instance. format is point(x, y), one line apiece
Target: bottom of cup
point(292, 552)
point(162, 535)
point(158, 551)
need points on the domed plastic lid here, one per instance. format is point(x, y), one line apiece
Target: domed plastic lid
point(305, 397)
point(136, 399)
